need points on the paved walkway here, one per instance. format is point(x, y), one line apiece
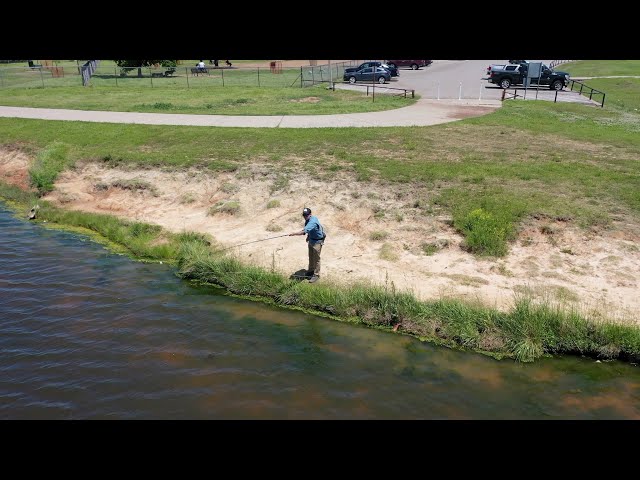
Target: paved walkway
point(423, 113)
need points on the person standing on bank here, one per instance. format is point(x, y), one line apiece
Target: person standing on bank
point(315, 237)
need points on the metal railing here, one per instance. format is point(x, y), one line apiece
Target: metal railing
point(404, 91)
point(591, 90)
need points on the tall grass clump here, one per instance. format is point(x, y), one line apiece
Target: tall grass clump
point(485, 233)
point(49, 163)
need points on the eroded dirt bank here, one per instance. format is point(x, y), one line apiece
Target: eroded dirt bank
point(377, 233)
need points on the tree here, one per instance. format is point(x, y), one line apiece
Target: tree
point(127, 65)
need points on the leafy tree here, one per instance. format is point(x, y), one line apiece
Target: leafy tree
point(127, 65)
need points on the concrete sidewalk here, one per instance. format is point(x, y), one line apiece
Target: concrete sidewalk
point(423, 113)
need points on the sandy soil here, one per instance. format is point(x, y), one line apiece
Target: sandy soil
point(596, 272)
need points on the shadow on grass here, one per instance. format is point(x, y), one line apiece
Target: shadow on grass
point(300, 275)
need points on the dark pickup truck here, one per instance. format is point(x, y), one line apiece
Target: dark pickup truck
point(507, 75)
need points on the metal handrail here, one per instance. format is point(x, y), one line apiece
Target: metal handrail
point(368, 86)
point(582, 85)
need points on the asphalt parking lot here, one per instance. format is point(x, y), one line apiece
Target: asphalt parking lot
point(462, 79)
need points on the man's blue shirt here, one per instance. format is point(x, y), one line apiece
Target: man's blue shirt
point(314, 230)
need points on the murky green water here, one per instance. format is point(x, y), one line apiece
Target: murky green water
point(86, 334)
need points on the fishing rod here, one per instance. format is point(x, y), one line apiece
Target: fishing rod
point(241, 244)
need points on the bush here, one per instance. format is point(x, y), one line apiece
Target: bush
point(379, 235)
point(232, 207)
point(485, 233)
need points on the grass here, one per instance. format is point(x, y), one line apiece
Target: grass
point(48, 164)
point(623, 93)
point(601, 68)
point(429, 248)
point(378, 235)
point(387, 253)
point(230, 100)
point(230, 207)
point(135, 184)
point(572, 161)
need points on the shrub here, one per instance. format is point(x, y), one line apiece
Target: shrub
point(231, 207)
point(485, 234)
point(378, 235)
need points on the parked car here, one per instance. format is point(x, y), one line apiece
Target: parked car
point(392, 69)
point(368, 74)
point(515, 74)
point(413, 64)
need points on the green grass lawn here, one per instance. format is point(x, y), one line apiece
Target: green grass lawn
point(621, 92)
point(230, 100)
point(599, 68)
point(560, 160)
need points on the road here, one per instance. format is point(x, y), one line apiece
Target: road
point(461, 79)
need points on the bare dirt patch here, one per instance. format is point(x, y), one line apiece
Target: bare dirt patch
point(597, 273)
point(14, 167)
point(306, 100)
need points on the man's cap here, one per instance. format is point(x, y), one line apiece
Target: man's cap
point(306, 211)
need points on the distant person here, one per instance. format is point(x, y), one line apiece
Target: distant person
point(315, 238)
point(201, 66)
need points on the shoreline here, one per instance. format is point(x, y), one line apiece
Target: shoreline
point(452, 322)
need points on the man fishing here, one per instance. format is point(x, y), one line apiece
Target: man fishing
point(315, 238)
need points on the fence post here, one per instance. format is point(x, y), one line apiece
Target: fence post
point(258, 76)
point(42, 77)
point(603, 94)
point(460, 93)
point(115, 74)
point(413, 94)
point(186, 71)
point(301, 77)
point(503, 92)
point(222, 76)
point(591, 94)
point(151, 76)
point(555, 100)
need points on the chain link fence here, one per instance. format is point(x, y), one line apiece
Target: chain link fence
point(181, 76)
point(314, 74)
